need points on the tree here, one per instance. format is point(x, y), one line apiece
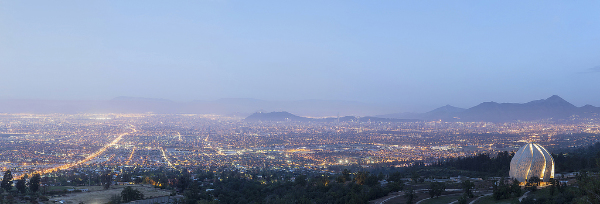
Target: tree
point(21, 187)
point(395, 186)
point(380, 176)
point(516, 188)
point(372, 180)
point(501, 190)
point(591, 187)
point(436, 189)
point(106, 180)
point(410, 196)
point(462, 200)
point(34, 183)
point(552, 186)
point(534, 181)
point(324, 180)
point(300, 180)
point(191, 195)
point(432, 189)
point(129, 194)
point(7, 181)
point(467, 187)
point(361, 177)
point(183, 182)
point(415, 177)
point(395, 177)
point(345, 175)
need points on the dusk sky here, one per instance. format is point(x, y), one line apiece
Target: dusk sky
point(418, 55)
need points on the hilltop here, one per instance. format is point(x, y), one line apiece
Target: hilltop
point(554, 107)
point(285, 116)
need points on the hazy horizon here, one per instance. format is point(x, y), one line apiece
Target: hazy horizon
point(236, 106)
point(417, 56)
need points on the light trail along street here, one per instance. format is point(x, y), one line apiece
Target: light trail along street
point(86, 159)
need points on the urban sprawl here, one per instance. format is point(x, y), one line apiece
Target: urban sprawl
point(33, 143)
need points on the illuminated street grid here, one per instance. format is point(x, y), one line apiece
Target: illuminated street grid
point(45, 143)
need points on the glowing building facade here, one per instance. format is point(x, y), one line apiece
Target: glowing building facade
point(532, 160)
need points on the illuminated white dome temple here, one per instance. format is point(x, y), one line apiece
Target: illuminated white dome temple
point(532, 160)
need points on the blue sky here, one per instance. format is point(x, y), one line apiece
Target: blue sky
point(418, 55)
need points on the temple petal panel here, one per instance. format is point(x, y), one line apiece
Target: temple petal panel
point(532, 160)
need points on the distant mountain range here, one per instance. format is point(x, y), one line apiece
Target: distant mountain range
point(553, 107)
point(285, 116)
point(241, 107)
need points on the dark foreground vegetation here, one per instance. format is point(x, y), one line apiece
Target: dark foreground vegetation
point(362, 186)
point(585, 188)
point(352, 185)
point(319, 189)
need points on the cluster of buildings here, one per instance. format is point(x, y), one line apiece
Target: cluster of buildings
point(31, 142)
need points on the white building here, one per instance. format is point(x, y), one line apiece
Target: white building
point(532, 160)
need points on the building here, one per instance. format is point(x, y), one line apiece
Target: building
point(532, 160)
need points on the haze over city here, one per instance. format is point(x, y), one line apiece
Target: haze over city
point(413, 56)
point(317, 102)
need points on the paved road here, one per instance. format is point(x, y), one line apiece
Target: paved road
point(383, 201)
point(524, 196)
point(438, 197)
point(484, 195)
point(422, 200)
